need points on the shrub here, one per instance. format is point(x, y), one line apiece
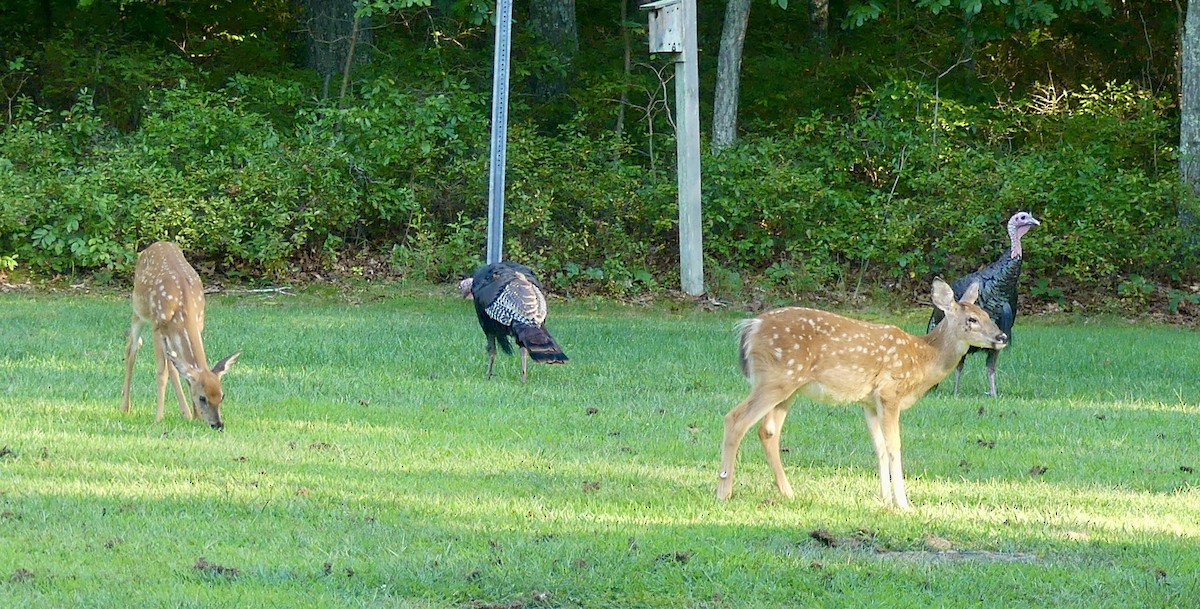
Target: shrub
point(264, 184)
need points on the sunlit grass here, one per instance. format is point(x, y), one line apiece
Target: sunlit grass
point(367, 462)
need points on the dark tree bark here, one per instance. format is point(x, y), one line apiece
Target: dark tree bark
point(627, 47)
point(553, 23)
point(818, 23)
point(729, 67)
point(1189, 115)
point(336, 41)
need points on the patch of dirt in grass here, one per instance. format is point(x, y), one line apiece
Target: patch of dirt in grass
point(21, 575)
point(517, 604)
point(7, 453)
point(937, 543)
point(824, 537)
point(538, 597)
point(213, 569)
point(861, 539)
point(962, 556)
point(680, 557)
point(937, 549)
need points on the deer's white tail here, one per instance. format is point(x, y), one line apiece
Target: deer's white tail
point(745, 329)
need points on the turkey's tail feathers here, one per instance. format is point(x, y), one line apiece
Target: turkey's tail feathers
point(542, 347)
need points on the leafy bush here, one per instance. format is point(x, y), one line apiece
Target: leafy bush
point(905, 186)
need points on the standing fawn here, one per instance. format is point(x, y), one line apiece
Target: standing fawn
point(168, 295)
point(837, 360)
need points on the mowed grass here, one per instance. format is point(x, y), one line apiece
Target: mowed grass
point(366, 462)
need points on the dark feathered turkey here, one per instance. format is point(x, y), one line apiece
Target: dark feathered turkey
point(997, 294)
point(509, 302)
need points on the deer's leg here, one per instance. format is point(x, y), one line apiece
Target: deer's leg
point(131, 351)
point(185, 403)
point(161, 372)
point(769, 431)
point(992, 356)
point(763, 398)
point(874, 416)
point(891, 436)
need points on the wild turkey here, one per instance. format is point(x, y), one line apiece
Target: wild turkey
point(997, 294)
point(509, 302)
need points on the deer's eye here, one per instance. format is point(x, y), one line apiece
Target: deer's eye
point(204, 400)
point(972, 320)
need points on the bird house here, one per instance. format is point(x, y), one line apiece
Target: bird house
point(666, 26)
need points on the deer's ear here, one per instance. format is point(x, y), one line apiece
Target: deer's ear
point(972, 293)
point(223, 366)
point(185, 369)
point(943, 296)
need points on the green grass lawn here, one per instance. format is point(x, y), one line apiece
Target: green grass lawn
point(366, 462)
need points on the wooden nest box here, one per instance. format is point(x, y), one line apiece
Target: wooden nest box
point(666, 25)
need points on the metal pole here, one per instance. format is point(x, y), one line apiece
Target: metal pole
point(687, 137)
point(500, 64)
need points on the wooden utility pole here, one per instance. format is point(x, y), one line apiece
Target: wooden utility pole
point(687, 101)
point(673, 30)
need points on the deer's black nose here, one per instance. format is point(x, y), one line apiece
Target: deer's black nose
point(218, 426)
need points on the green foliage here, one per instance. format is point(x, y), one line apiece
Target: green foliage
point(910, 184)
point(1178, 297)
point(184, 123)
point(1016, 15)
point(1137, 290)
point(118, 75)
point(606, 224)
point(203, 170)
point(1043, 290)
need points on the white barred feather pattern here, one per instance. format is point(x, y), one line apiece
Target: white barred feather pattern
point(520, 301)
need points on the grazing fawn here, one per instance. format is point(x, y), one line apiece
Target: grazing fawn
point(167, 294)
point(834, 359)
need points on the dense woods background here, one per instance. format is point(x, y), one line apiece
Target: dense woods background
point(875, 144)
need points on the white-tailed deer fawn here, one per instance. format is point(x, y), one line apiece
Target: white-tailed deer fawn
point(834, 359)
point(168, 295)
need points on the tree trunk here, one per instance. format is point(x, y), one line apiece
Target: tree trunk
point(627, 44)
point(335, 39)
point(969, 44)
point(729, 67)
point(553, 24)
point(818, 23)
point(1189, 115)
